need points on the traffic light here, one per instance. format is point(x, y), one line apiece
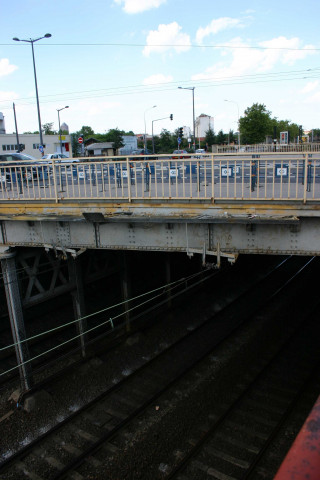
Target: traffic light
point(171, 116)
point(181, 132)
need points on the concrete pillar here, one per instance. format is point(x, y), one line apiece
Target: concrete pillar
point(75, 277)
point(12, 290)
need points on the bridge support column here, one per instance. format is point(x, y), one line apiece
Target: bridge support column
point(11, 284)
point(75, 276)
point(125, 288)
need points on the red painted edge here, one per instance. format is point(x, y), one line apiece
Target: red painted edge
point(302, 462)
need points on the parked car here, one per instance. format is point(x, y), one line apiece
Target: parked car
point(140, 151)
point(13, 157)
point(60, 157)
point(28, 168)
point(180, 154)
point(199, 152)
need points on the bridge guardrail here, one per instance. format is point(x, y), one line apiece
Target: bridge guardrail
point(258, 177)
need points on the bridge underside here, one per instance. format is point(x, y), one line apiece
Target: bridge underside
point(219, 229)
point(63, 230)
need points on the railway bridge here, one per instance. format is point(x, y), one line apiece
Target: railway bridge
point(216, 206)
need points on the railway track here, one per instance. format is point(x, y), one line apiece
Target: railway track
point(74, 442)
point(264, 400)
point(39, 346)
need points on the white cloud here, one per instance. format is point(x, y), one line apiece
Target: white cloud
point(293, 53)
point(167, 37)
point(6, 68)
point(315, 98)
point(156, 79)
point(248, 60)
point(138, 6)
point(215, 26)
point(310, 87)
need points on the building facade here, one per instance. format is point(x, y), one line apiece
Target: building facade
point(203, 124)
point(30, 141)
point(130, 143)
point(100, 149)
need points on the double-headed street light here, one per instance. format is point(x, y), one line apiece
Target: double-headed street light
point(194, 128)
point(32, 41)
point(145, 127)
point(59, 110)
point(232, 101)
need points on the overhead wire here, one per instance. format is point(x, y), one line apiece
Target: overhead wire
point(200, 83)
point(100, 311)
point(161, 45)
point(164, 289)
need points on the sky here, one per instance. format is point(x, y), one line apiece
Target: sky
point(119, 63)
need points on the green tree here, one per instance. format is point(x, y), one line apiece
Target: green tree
point(166, 141)
point(232, 137)
point(75, 145)
point(115, 135)
point(210, 138)
point(256, 124)
point(157, 146)
point(221, 138)
point(86, 131)
point(47, 129)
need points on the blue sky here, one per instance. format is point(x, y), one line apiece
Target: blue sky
point(112, 60)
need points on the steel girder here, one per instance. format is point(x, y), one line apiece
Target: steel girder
point(228, 237)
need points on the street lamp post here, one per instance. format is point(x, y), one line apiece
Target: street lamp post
point(194, 129)
point(59, 110)
point(145, 127)
point(32, 41)
point(232, 101)
point(157, 120)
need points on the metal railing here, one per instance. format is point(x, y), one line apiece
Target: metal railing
point(269, 148)
point(210, 177)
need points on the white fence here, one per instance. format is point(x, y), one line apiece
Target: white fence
point(211, 177)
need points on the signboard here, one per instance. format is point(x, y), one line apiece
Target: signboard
point(174, 172)
point(41, 148)
point(179, 140)
point(226, 172)
point(284, 138)
point(124, 174)
point(281, 170)
point(81, 174)
point(2, 179)
point(80, 140)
